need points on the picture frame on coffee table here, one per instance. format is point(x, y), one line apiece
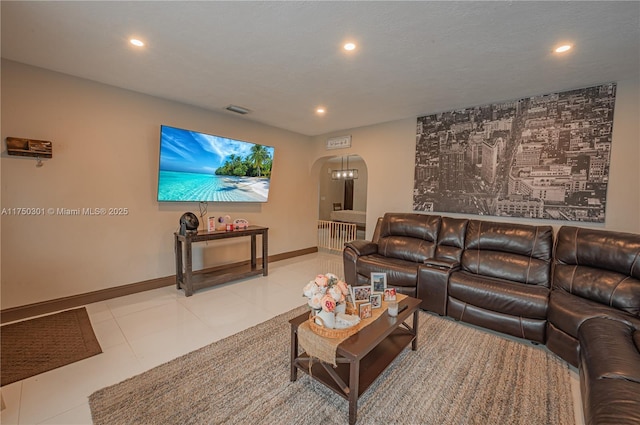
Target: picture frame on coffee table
point(378, 282)
point(390, 294)
point(376, 300)
point(351, 298)
point(364, 310)
point(362, 293)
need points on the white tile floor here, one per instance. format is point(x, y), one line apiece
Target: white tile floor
point(141, 331)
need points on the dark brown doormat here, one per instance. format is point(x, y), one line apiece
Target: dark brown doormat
point(37, 345)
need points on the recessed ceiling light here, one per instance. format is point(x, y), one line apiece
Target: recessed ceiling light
point(349, 46)
point(563, 48)
point(320, 110)
point(136, 42)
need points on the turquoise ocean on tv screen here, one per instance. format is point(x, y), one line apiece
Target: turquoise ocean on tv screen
point(176, 185)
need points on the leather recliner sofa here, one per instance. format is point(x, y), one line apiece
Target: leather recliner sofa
point(401, 244)
point(581, 296)
point(495, 275)
point(503, 280)
point(594, 319)
point(596, 274)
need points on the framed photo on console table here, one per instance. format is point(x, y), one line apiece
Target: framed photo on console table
point(378, 282)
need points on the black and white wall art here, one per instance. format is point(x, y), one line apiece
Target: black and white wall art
point(540, 157)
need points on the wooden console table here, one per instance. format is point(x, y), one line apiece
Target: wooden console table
point(187, 280)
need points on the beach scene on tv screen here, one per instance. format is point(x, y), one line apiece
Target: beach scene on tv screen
point(202, 167)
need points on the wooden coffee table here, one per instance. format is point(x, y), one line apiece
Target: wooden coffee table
point(362, 357)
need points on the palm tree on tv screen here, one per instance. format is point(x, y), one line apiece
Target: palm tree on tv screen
point(257, 163)
point(258, 157)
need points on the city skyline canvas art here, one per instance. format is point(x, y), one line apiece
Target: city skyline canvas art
point(539, 157)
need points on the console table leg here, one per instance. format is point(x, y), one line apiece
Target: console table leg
point(178, 249)
point(253, 252)
point(265, 253)
point(414, 343)
point(188, 289)
point(354, 381)
point(294, 354)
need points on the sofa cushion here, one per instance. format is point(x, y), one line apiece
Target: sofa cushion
point(451, 239)
point(567, 312)
point(406, 248)
point(509, 251)
point(410, 237)
point(419, 226)
point(399, 272)
point(502, 265)
point(602, 286)
point(615, 251)
point(522, 327)
point(599, 265)
point(499, 295)
point(530, 241)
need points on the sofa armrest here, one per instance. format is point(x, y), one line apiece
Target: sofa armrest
point(362, 247)
point(608, 350)
point(433, 281)
point(350, 254)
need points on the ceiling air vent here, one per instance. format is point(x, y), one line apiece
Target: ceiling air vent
point(237, 109)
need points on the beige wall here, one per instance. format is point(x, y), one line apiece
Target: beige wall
point(389, 152)
point(105, 154)
point(623, 193)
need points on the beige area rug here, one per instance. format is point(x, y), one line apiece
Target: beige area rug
point(37, 345)
point(458, 375)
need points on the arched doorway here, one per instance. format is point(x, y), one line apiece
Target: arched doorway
point(343, 198)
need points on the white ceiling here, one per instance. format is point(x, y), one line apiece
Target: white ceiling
point(282, 59)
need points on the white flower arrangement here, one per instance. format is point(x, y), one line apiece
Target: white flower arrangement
point(325, 292)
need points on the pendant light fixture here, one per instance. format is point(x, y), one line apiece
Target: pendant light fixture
point(344, 173)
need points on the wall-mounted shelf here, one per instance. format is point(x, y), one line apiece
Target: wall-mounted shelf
point(29, 147)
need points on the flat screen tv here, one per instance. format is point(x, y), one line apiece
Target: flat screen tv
point(198, 167)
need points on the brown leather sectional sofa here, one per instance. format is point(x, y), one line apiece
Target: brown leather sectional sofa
point(577, 292)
